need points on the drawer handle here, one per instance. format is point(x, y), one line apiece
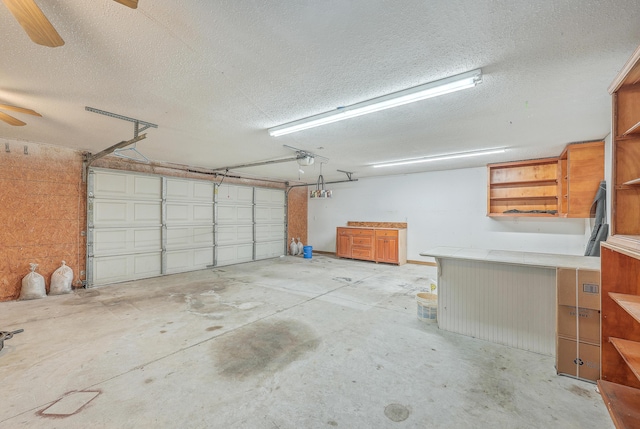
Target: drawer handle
point(578, 361)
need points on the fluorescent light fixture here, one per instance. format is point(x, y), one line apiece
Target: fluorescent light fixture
point(417, 93)
point(440, 157)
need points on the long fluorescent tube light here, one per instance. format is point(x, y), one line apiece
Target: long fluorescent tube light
point(417, 93)
point(440, 157)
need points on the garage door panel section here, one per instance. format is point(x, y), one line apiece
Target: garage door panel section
point(266, 196)
point(124, 219)
point(189, 190)
point(120, 268)
point(189, 224)
point(179, 261)
point(114, 241)
point(234, 214)
point(233, 234)
point(269, 249)
point(269, 232)
point(189, 212)
point(123, 185)
point(269, 213)
point(235, 254)
point(234, 195)
point(189, 236)
point(234, 224)
point(118, 213)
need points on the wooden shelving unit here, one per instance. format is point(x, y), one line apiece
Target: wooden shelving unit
point(620, 257)
point(523, 186)
point(549, 187)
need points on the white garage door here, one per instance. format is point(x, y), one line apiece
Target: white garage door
point(142, 225)
point(188, 215)
point(234, 224)
point(124, 217)
point(269, 212)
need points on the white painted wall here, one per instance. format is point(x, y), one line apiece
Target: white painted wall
point(442, 208)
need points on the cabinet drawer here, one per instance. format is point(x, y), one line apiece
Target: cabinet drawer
point(344, 231)
point(362, 253)
point(363, 232)
point(362, 241)
point(386, 233)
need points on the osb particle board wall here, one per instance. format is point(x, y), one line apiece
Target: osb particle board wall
point(42, 213)
point(297, 214)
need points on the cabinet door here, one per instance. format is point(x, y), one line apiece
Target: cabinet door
point(585, 171)
point(387, 250)
point(343, 246)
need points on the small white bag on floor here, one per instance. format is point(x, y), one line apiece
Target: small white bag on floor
point(61, 280)
point(300, 247)
point(33, 285)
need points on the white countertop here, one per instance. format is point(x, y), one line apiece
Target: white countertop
point(546, 260)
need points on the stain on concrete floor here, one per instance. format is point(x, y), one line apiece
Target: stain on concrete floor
point(263, 347)
point(397, 412)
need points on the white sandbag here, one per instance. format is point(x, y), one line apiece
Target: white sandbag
point(61, 280)
point(300, 247)
point(33, 285)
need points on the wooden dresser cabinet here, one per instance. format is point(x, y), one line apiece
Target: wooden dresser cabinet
point(356, 243)
point(376, 243)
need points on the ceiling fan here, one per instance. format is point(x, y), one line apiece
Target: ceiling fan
point(15, 121)
point(36, 24)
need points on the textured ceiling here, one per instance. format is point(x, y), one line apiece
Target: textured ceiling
point(214, 75)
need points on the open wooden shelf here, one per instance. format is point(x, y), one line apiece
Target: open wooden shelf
point(632, 182)
point(524, 197)
point(630, 352)
point(622, 403)
point(630, 303)
point(635, 129)
point(523, 214)
point(525, 183)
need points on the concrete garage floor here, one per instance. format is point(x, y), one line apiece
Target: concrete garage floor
point(284, 343)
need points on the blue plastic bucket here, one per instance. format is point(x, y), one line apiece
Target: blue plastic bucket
point(307, 251)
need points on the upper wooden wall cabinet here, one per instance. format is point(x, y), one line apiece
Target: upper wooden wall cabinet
point(625, 90)
point(580, 171)
point(563, 186)
point(522, 187)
